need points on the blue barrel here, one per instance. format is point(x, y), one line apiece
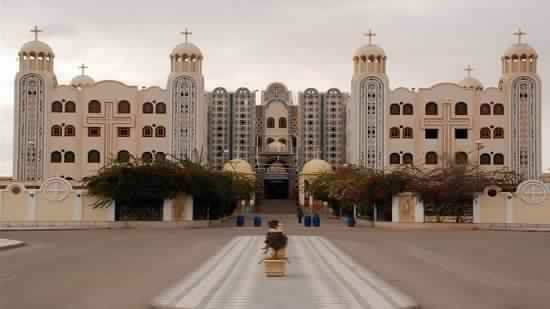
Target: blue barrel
point(240, 220)
point(257, 221)
point(307, 221)
point(350, 220)
point(316, 221)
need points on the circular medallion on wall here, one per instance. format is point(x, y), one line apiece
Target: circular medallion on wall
point(532, 192)
point(56, 189)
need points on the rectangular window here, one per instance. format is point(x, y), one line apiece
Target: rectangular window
point(123, 132)
point(432, 133)
point(461, 133)
point(94, 131)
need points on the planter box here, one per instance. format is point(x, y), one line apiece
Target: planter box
point(276, 268)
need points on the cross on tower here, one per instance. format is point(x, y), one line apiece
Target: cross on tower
point(371, 35)
point(519, 34)
point(186, 33)
point(36, 31)
point(469, 70)
point(83, 68)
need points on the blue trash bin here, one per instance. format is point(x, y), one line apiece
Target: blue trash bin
point(257, 221)
point(316, 221)
point(240, 220)
point(350, 220)
point(307, 221)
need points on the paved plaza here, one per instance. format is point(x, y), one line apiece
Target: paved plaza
point(128, 268)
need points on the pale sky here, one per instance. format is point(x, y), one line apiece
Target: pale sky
point(252, 43)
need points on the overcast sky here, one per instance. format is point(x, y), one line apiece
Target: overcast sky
point(252, 43)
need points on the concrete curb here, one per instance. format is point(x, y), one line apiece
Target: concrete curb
point(6, 244)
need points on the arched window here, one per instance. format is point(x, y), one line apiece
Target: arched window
point(282, 141)
point(270, 123)
point(408, 132)
point(485, 159)
point(498, 159)
point(94, 156)
point(485, 109)
point(160, 108)
point(94, 107)
point(57, 130)
point(147, 108)
point(395, 158)
point(395, 132)
point(123, 107)
point(485, 133)
point(461, 109)
point(269, 140)
point(431, 158)
point(408, 109)
point(431, 108)
point(282, 123)
point(56, 157)
point(57, 107)
point(147, 131)
point(498, 109)
point(123, 156)
point(498, 133)
point(461, 158)
point(408, 158)
point(160, 156)
point(147, 157)
point(70, 131)
point(160, 131)
point(69, 157)
point(70, 107)
point(395, 109)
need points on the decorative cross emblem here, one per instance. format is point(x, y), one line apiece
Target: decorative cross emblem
point(519, 34)
point(371, 36)
point(56, 189)
point(532, 192)
point(469, 70)
point(83, 68)
point(110, 122)
point(36, 31)
point(186, 33)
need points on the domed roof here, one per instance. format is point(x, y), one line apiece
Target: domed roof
point(238, 166)
point(82, 81)
point(520, 49)
point(187, 49)
point(370, 50)
point(36, 47)
point(317, 166)
point(471, 83)
point(276, 146)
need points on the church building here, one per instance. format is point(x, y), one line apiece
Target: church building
point(72, 130)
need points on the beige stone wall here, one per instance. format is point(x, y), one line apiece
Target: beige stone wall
point(47, 210)
point(493, 209)
point(92, 213)
point(407, 205)
point(13, 207)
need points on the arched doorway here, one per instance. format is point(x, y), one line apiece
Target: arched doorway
point(276, 180)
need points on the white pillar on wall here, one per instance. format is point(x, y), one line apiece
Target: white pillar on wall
point(509, 207)
point(188, 208)
point(476, 208)
point(168, 210)
point(1, 203)
point(31, 206)
point(112, 210)
point(419, 211)
point(77, 212)
point(395, 209)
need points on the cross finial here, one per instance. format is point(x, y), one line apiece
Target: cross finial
point(519, 34)
point(371, 35)
point(83, 68)
point(469, 70)
point(186, 33)
point(36, 31)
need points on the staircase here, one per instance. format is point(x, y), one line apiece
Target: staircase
point(278, 207)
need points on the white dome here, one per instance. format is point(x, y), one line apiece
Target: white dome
point(186, 49)
point(36, 47)
point(82, 81)
point(471, 83)
point(370, 50)
point(276, 146)
point(520, 49)
point(238, 166)
point(317, 166)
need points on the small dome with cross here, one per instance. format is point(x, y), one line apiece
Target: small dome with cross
point(82, 80)
point(370, 49)
point(186, 49)
point(520, 49)
point(36, 47)
point(470, 82)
